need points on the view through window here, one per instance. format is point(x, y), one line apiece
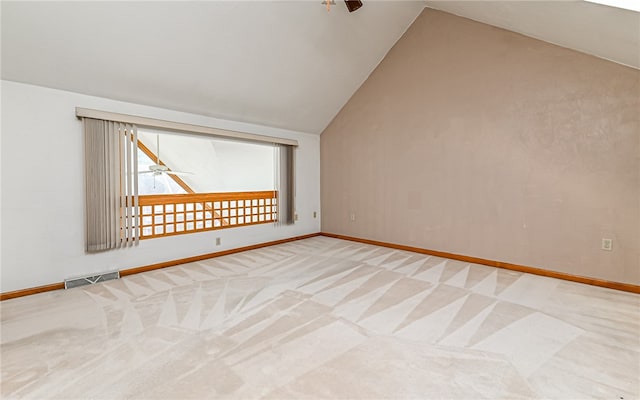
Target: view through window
point(190, 183)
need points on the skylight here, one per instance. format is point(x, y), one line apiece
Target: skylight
point(633, 5)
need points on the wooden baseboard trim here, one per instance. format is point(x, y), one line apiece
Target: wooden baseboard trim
point(30, 291)
point(201, 257)
point(626, 287)
point(151, 267)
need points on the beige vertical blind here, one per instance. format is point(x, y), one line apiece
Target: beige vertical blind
point(111, 173)
point(285, 184)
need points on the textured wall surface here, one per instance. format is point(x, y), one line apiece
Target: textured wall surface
point(478, 141)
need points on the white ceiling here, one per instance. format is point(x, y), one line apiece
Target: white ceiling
point(606, 32)
point(283, 64)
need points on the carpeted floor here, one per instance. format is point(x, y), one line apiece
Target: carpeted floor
point(324, 318)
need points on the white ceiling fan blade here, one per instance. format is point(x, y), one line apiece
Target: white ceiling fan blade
point(179, 173)
point(146, 172)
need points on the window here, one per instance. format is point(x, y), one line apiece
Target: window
point(190, 183)
point(196, 183)
point(203, 164)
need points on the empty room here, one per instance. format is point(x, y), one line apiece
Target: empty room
point(320, 200)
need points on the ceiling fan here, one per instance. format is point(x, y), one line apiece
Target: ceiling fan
point(159, 167)
point(352, 5)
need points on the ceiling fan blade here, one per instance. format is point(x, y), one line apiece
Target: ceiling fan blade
point(145, 172)
point(353, 5)
point(179, 173)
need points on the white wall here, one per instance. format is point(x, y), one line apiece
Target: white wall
point(42, 194)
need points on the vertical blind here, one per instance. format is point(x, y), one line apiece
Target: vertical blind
point(285, 184)
point(111, 173)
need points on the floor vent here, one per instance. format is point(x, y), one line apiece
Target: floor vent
point(90, 280)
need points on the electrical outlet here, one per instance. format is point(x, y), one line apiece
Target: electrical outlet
point(218, 241)
point(295, 216)
point(607, 244)
point(352, 217)
point(315, 214)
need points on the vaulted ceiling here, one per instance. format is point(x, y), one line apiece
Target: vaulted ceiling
point(282, 64)
point(603, 31)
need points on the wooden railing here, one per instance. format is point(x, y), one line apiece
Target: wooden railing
point(176, 214)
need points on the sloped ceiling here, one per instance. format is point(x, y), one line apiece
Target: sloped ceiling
point(606, 32)
point(283, 64)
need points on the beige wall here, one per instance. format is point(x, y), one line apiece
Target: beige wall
point(474, 140)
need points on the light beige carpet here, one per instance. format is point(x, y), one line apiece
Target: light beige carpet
point(324, 318)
